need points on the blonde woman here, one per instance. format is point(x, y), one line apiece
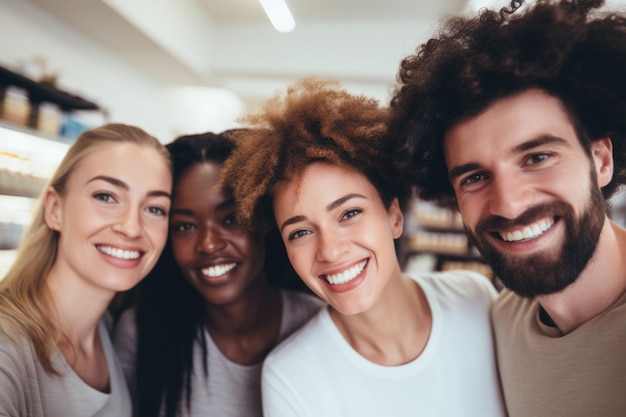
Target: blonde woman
point(99, 228)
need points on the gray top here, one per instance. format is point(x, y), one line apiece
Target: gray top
point(27, 390)
point(230, 389)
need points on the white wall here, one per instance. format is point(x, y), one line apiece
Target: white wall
point(85, 68)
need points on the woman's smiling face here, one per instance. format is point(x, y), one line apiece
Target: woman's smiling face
point(112, 216)
point(218, 258)
point(338, 234)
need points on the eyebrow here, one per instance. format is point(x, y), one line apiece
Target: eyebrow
point(121, 184)
point(330, 207)
point(522, 147)
point(226, 204)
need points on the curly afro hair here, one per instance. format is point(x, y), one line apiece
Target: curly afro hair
point(314, 120)
point(567, 48)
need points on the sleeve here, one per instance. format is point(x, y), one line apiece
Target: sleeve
point(125, 342)
point(12, 395)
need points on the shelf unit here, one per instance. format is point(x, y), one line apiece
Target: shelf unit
point(28, 157)
point(43, 92)
point(436, 240)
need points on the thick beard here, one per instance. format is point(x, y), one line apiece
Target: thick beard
point(546, 272)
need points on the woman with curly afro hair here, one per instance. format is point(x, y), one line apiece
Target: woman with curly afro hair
point(315, 167)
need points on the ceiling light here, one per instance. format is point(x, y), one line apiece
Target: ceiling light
point(279, 14)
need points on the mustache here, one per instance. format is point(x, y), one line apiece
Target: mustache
point(491, 223)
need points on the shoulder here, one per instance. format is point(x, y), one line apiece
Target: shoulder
point(17, 366)
point(302, 344)
point(457, 285)
point(298, 308)
point(126, 325)
point(13, 343)
point(509, 304)
point(297, 300)
point(125, 335)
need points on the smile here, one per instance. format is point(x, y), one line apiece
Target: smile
point(528, 232)
point(217, 270)
point(347, 275)
point(118, 253)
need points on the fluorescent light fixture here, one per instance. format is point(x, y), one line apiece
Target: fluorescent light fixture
point(279, 14)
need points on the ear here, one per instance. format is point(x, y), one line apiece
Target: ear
point(396, 219)
point(602, 155)
point(52, 209)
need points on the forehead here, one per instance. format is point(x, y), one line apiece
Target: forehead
point(198, 180)
point(506, 124)
point(320, 183)
point(126, 161)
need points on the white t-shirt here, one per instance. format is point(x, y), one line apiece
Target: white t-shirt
point(230, 389)
point(26, 390)
point(317, 373)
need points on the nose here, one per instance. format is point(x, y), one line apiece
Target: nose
point(331, 246)
point(210, 241)
point(509, 196)
point(129, 224)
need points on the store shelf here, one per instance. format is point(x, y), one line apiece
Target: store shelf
point(28, 156)
point(437, 240)
point(27, 159)
point(40, 92)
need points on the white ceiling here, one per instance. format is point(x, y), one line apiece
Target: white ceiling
point(231, 44)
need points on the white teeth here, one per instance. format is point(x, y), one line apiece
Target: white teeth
point(529, 232)
point(118, 253)
point(217, 270)
point(347, 275)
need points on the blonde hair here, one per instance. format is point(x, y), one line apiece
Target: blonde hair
point(25, 305)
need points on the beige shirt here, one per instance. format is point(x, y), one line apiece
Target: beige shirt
point(544, 373)
point(27, 390)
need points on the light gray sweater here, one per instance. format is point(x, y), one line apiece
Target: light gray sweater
point(27, 390)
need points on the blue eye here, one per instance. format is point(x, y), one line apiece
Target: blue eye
point(350, 213)
point(298, 234)
point(157, 210)
point(104, 197)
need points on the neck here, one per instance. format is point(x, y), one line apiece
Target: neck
point(77, 306)
point(600, 284)
point(258, 307)
point(395, 330)
point(247, 329)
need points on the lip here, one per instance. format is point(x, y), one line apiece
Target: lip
point(351, 284)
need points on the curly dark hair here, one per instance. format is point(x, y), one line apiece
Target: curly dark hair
point(567, 48)
point(314, 120)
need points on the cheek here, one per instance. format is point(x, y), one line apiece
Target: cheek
point(158, 236)
point(298, 259)
point(253, 248)
point(469, 209)
point(182, 249)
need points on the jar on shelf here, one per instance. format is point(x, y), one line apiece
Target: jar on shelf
point(14, 105)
